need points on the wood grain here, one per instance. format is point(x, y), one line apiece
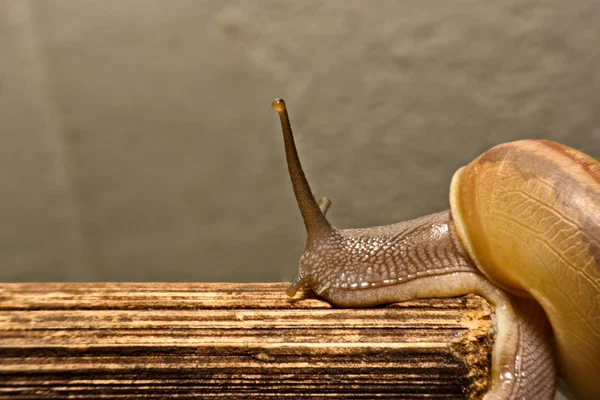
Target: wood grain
point(163, 340)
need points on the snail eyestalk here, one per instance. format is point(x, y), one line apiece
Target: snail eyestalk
point(324, 204)
point(315, 222)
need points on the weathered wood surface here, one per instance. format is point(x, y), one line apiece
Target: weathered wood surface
point(159, 340)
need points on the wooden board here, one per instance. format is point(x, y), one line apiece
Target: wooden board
point(222, 340)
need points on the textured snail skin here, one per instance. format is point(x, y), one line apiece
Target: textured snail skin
point(423, 258)
point(445, 255)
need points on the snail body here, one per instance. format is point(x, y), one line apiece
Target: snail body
point(523, 231)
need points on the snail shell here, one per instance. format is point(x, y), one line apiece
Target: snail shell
point(528, 215)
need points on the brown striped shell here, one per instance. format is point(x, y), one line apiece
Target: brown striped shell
point(528, 215)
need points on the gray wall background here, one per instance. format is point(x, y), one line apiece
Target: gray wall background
point(138, 142)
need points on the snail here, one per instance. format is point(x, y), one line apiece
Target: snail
point(523, 231)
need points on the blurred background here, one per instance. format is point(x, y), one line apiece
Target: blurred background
point(138, 141)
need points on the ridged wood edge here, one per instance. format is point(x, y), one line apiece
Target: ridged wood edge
point(225, 340)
